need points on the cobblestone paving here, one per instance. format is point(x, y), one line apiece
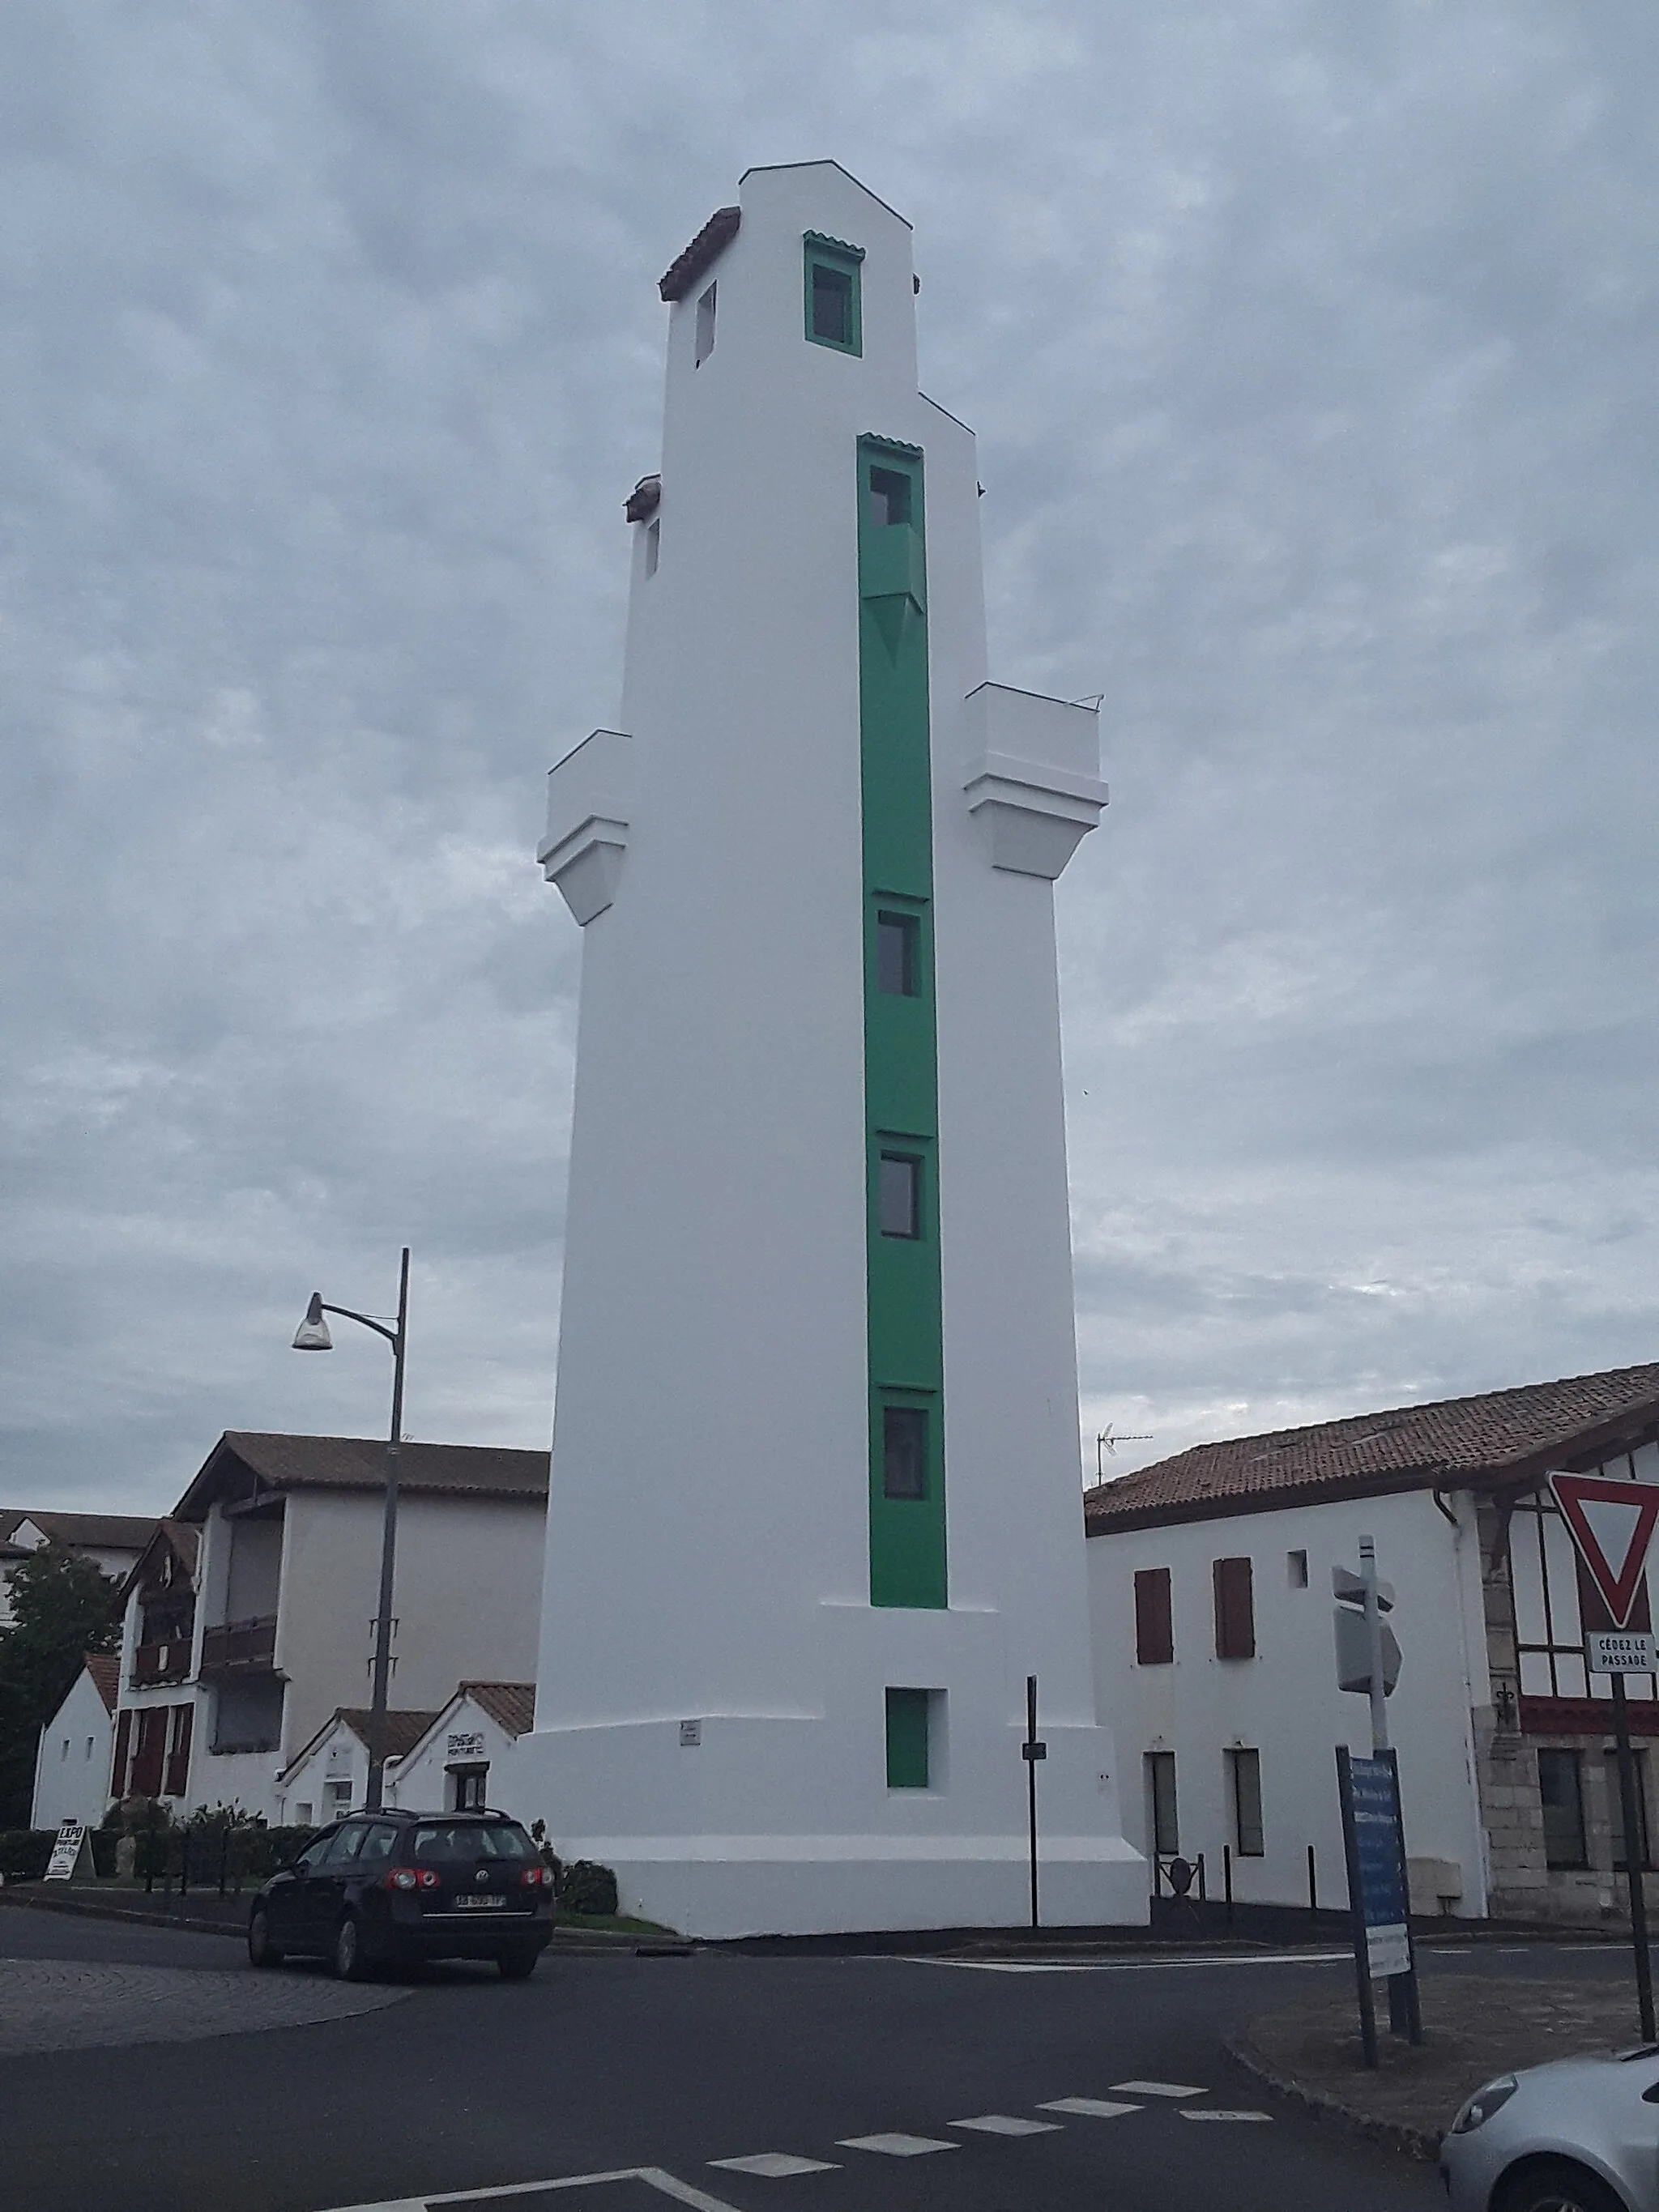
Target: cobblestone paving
point(63, 2004)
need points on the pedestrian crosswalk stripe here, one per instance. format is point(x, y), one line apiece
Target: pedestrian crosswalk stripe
point(1090, 2108)
point(897, 2146)
point(1002, 2124)
point(1159, 2089)
point(774, 2165)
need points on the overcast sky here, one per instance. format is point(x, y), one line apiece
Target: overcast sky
point(1312, 353)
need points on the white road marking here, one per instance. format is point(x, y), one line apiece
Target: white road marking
point(1132, 1966)
point(775, 2165)
point(1000, 2123)
point(1089, 2108)
point(654, 2177)
point(1157, 2089)
point(897, 2146)
point(1214, 2115)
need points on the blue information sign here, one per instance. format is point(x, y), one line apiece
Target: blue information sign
point(1375, 1811)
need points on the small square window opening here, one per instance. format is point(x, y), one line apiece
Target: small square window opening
point(898, 1194)
point(1296, 1568)
point(890, 497)
point(705, 326)
point(653, 547)
point(904, 1451)
point(907, 1739)
point(896, 939)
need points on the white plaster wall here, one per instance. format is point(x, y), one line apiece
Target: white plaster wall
point(422, 1779)
point(1285, 1701)
point(707, 1530)
point(467, 1601)
point(72, 1765)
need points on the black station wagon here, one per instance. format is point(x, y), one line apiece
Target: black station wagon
point(389, 1889)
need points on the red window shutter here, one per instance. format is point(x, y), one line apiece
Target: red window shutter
point(151, 1750)
point(1235, 1610)
point(177, 1778)
point(118, 1777)
point(1154, 1623)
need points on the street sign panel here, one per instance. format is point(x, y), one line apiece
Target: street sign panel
point(1619, 1651)
point(1373, 1809)
point(1611, 1524)
point(1351, 1588)
point(1353, 1653)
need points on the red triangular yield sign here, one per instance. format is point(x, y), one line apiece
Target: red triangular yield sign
point(1611, 1523)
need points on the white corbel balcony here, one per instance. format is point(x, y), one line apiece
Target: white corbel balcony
point(1034, 780)
point(590, 798)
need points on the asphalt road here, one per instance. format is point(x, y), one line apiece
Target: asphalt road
point(607, 2067)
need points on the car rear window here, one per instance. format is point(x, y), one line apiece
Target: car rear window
point(438, 1840)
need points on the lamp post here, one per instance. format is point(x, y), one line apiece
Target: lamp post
point(313, 1335)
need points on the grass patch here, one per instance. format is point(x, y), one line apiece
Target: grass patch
point(615, 1924)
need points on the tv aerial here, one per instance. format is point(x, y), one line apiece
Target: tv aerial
point(1106, 1444)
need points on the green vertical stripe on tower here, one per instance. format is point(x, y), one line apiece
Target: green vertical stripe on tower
point(900, 1079)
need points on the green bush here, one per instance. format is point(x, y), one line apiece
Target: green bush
point(24, 1852)
point(588, 1888)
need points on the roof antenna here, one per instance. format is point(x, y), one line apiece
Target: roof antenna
point(1106, 1444)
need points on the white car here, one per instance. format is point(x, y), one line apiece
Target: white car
point(1580, 2135)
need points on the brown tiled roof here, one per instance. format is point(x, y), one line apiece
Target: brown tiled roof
point(403, 1730)
point(97, 1532)
point(712, 240)
point(1500, 1439)
point(104, 1668)
point(512, 1706)
point(281, 1462)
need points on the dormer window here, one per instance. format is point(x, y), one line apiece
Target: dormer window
point(706, 326)
point(832, 317)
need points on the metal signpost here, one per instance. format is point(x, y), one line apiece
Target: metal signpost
point(1031, 1751)
point(1611, 1524)
point(1368, 1660)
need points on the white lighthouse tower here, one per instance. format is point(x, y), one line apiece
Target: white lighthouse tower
point(815, 1512)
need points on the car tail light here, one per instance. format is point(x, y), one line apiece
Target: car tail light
point(539, 1877)
point(410, 1878)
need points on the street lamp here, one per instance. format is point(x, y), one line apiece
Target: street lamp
point(313, 1335)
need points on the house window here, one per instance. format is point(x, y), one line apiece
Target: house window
point(907, 1739)
point(1154, 1622)
point(1244, 1792)
point(832, 316)
point(1235, 1610)
point(1561, 1792)
point(653, 547)
point(337, 1798)
point(1296, 1570)
point(898, 1194)
point(705, 326)
point(467, 1789)
point(178, 1770)
point(1161, 1803)
point(890, 497)
point(896, 954)
point(904, 1451)
point(1616, 1810)
point(64, 1753)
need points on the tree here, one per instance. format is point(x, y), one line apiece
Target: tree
point(62, 1607)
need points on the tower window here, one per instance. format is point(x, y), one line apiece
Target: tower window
point(890, 497)
point(907, 1739)
point(898, 1194)
point(1244, 1787)
point(832, 293)
point(706, 326)
point(1296, 1568)
point(904, 1451)
point(896, 954)
point(653, 547)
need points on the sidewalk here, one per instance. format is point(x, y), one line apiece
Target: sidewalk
point(204, 1913)
point(1471, 2032)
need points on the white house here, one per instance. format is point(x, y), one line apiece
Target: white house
point(1210, 1575)
point(113, 1541)
point(465, 1757)
point(816, 1519)
point(71, 1767)
point(249, 1618)
point(328, 1777)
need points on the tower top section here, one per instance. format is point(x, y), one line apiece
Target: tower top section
point(806, 253)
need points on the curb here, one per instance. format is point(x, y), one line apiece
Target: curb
point(1422, 2143)
point(579, 1943)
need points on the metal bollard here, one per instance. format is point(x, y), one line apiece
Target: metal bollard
point(1313, 1884)
point(1227, 1880)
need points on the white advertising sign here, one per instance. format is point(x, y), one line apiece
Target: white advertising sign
point(466, 1744)
point(1619, 1651)
point(66, 1851)
point(1387, 1953)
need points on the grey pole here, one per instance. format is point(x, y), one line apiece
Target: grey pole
point(1628, 1786)
point(377, 1704)
point(1374, 1645)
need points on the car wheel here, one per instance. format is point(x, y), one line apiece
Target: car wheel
point(517, 1966)
point(1555, 2184)
point(261, 1951)
point(347, 1961)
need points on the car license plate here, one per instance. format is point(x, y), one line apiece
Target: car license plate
point(491, 1900)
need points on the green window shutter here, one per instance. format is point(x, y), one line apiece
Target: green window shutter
point(834, 309)
point(907, 1739)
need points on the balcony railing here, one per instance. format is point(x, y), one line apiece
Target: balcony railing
point(240, 1647)
point(159, 1662)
